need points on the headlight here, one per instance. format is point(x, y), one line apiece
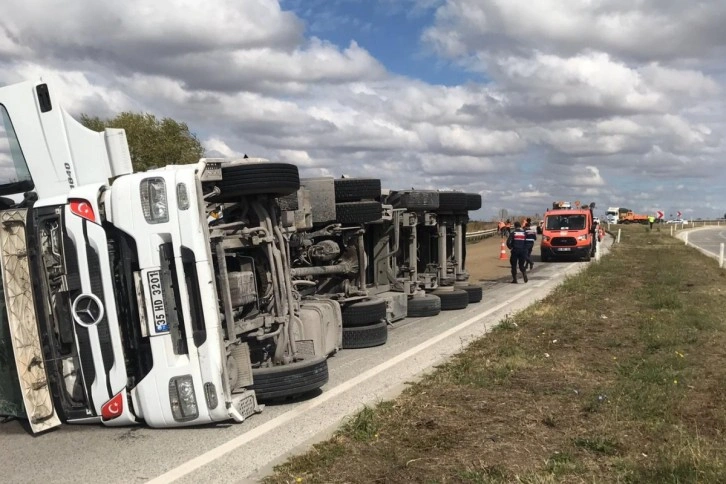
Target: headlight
point(153, 200)
point(582, 237)
point(182, 398)
point(546, 238)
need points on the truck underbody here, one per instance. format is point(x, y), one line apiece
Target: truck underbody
point(184, 295)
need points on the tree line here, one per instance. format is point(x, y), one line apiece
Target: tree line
point(153, 142)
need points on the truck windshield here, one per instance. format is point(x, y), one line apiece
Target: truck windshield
point(565, 222)
point(14, 174)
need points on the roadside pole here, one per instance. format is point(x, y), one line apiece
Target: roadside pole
point(618, 241)
point(671, 231)
point(720, 256)
point(597, 250)
point(685, 238)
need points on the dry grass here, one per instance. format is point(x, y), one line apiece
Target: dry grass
point(618, 376)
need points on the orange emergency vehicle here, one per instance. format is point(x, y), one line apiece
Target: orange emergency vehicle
point(568, 232)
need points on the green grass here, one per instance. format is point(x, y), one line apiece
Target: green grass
point(633, 390)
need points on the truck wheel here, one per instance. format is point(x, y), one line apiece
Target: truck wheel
point(415, 200)
point(473, 201)
point(365, 336)
point(422, 307)
point(355, 189)
point(544, 257)
point(450, 300)
point(587, 257)
point(452, 201)
point(363, 313)
point(357, 212)
point(277, 179)
point(474, 291)
point(291, 380)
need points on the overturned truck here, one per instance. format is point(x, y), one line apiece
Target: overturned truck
point(162, 297)
point(329, 253)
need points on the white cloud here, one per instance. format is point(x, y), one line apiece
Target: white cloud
point(578, 99)
point(643, 30)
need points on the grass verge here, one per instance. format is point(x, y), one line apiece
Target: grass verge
point(618, 376)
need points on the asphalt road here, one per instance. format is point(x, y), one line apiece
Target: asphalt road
point(707, 239)
point(243, 452)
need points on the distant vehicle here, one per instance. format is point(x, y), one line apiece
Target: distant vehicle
point(596, 220)
point(612, 215)
point(631, 217)
point(568, 232)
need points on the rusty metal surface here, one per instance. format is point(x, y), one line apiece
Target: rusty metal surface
point(22, 322)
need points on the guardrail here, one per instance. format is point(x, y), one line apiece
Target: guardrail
point(480, 234)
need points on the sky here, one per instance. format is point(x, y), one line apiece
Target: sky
point(526, 102)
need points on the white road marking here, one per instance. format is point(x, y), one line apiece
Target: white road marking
point(211, 455)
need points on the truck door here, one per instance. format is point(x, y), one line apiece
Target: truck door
point(59, 151)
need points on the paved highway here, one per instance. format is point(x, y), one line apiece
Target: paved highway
point(242, 452)
point(707, 239)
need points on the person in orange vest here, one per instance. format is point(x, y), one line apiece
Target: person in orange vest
point(500, 226)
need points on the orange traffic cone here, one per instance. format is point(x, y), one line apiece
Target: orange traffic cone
point(503, 253)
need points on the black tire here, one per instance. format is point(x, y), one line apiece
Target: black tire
point(450, 300)
point(363, 313)
point(544, 257)
point(422, 307)
point(288, 202)
point(277, 179)
point(415, 200)
point(357, 212)
point(365, 336)
point(291, 380)
point(356, 189)
point(473, 201)
point(475, 292)
point(452, 201)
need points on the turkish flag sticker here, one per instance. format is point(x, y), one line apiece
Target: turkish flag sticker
point(113, 408)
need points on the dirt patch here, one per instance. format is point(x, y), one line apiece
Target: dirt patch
point(483, 263)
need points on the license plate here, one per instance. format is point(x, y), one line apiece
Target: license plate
point(564, 249)
point(158, 311)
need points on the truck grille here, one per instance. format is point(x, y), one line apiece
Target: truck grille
point(564, 242)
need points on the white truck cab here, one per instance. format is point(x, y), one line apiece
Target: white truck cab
point(123, 304)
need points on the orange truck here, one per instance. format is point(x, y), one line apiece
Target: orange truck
point(568, 232)
point(630, 217)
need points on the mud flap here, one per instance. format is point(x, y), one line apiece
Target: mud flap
point(24, 334)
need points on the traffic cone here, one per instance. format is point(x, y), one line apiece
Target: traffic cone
point(503, 252)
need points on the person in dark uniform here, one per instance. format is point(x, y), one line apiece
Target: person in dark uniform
point(530, 237)
point(518, 257)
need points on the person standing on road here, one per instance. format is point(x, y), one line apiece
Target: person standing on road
point(530, 237)
point(518, 257)
point(651, 219)
point(500, 228)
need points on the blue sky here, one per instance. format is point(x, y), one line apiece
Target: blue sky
point(390, 30)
